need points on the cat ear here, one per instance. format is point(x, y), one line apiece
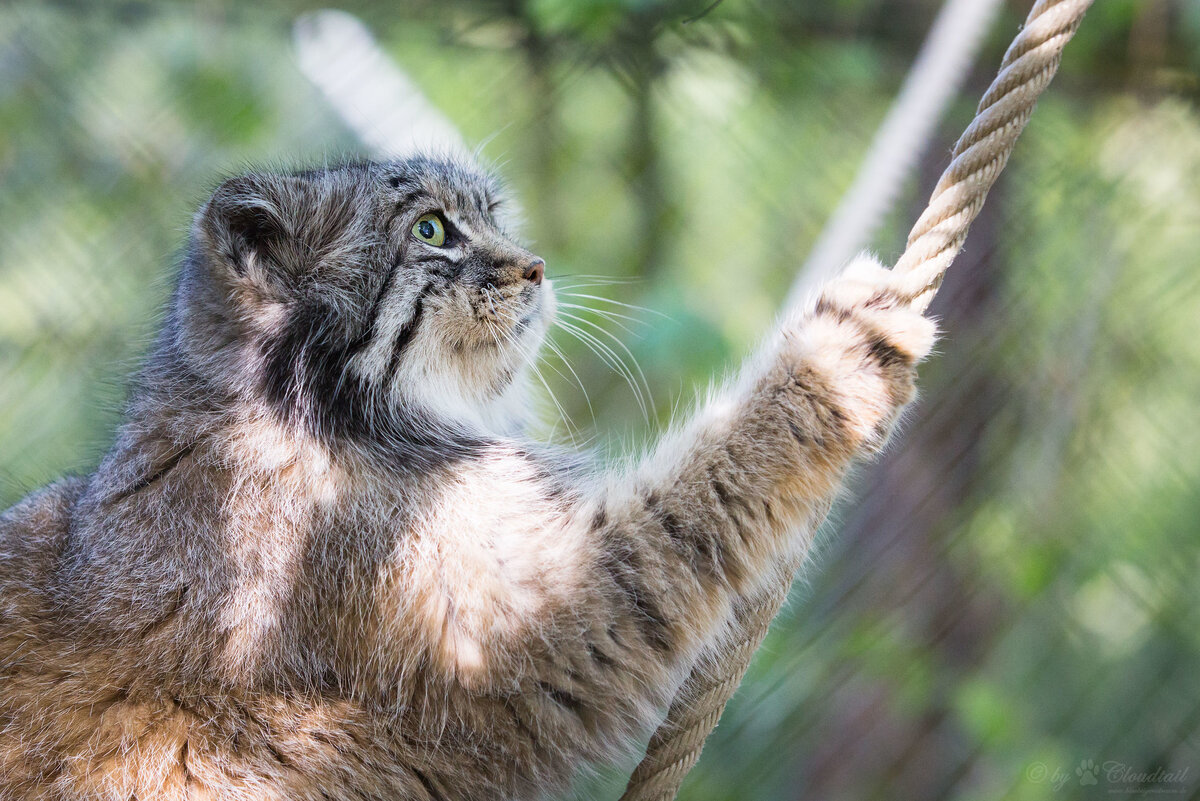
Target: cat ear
point(247, 223)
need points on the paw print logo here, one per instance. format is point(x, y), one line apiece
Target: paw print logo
point(1086, 772)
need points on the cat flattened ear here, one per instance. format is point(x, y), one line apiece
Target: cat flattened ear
point(246, 223)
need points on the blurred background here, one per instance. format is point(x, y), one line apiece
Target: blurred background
point(1007, 604)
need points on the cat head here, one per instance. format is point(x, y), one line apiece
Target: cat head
point(365, 298)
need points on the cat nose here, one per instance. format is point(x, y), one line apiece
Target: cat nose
point(512, 269)
point(535, 271)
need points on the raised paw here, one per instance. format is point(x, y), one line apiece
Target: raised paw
point(858, 347)
point(871, 295)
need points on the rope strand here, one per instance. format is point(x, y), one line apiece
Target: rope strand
point(935, 240)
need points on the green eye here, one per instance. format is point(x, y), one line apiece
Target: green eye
point(430, 229)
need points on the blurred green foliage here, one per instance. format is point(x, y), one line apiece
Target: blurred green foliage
point(1011, 590)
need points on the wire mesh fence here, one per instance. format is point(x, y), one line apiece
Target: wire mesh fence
point(1005, 605)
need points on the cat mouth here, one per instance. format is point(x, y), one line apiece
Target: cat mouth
point(506, 307)
point(504, 317)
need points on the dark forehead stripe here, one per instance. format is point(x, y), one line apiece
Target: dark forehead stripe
point(360, 167)
point(450, 182)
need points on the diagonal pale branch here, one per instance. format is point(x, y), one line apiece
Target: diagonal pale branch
point(376, 99)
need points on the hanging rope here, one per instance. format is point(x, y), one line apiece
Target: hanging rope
point(979, 156)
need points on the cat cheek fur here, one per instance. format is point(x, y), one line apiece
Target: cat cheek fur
point(322, 561)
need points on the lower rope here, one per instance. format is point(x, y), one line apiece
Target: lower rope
point(935, 240)
point(677, 743)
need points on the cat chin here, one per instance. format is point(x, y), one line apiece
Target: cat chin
point(466, 369)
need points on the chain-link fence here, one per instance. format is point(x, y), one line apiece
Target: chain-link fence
point(1006, 606)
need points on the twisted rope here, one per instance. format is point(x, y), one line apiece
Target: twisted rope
point(937, 237)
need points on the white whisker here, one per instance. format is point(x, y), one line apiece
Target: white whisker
point(563, 358)
point(614, 317)
point(508, 316)
point(632, 306)
point(610, 357)
point(619, 344)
